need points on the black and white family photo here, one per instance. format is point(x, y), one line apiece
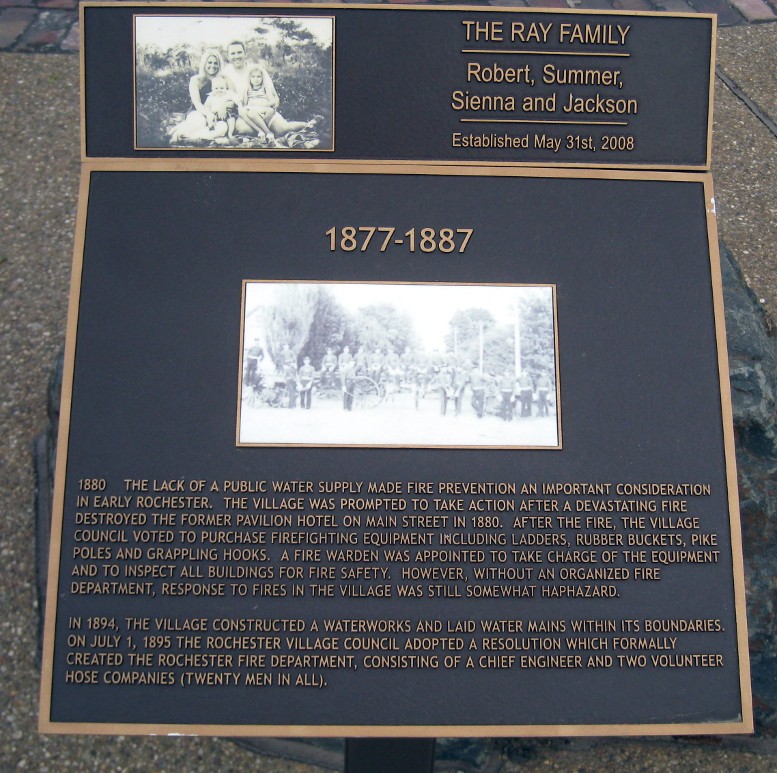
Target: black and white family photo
point(428, 365)
point(234, 82)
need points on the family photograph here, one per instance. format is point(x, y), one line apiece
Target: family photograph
point(234, 82)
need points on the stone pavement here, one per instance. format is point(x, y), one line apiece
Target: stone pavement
point(44, 26)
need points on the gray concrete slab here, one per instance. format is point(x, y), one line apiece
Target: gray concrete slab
point(744, 171)
point(744, 153)
point(748, 54)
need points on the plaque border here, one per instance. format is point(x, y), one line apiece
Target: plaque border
point(557, 447)
point(149, 5)
point(742, 725)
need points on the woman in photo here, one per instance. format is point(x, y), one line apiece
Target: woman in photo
point(201, 124)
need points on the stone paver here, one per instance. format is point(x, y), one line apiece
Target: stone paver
point(674, 6)
point(548, 4)
point(632, 5)
point(590, 5)
point(755, 10)
point(727, 16)
point(72, 41)
point(72, 4)
point(13, 23)
point(26, 28)
point(46, 32)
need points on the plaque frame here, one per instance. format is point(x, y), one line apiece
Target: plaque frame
point(743, 725)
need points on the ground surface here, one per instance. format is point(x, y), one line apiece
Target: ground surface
point(394, 421)
point(39, 168)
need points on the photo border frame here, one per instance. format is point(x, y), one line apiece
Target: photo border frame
point(194, 148)
point(558, 446)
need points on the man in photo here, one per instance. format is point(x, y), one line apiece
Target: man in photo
point(237, 69)
point(305, 376)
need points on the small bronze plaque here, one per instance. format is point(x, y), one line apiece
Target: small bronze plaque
point(362, 83)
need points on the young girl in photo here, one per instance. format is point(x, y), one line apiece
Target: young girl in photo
point(261, 108)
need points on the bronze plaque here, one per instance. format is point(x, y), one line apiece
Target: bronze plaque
point(379, 83)
point(437, 452)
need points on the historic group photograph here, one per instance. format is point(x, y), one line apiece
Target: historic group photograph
point(234, 82)
point(429, 365)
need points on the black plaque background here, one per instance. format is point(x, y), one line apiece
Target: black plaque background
point(154, 396)
point(395, 104)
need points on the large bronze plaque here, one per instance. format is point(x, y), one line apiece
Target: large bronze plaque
point(526, 525)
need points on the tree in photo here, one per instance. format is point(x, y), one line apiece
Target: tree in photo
point(301, 70)
point(331, 328)
point(288, 321)
point(162, 83)
point(383, 327)
point(467, 332)
point(499, 350)
point(538, 352)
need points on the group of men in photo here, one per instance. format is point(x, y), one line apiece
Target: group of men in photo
point(444, 376)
